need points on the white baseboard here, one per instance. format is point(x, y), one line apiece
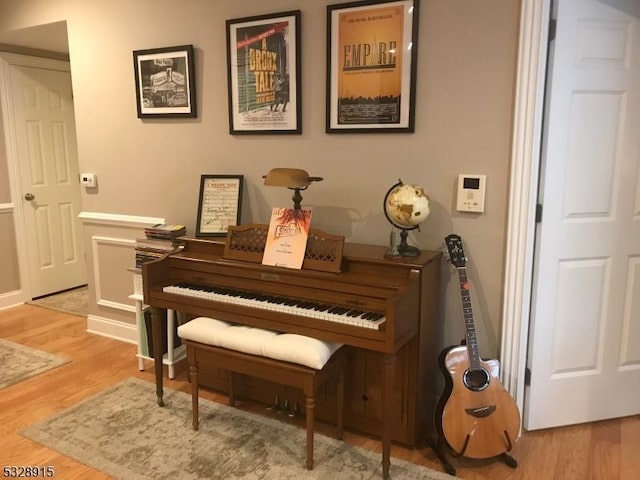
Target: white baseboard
point(106, 327)
point(11, 299)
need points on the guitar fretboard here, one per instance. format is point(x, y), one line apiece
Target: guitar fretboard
point(470, 328)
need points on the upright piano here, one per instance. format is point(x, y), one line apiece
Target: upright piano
point(384, 310)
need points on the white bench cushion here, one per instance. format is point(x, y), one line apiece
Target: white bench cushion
point(288, 347)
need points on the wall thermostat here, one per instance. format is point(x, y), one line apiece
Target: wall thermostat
point(89, 180)
point(471, 193)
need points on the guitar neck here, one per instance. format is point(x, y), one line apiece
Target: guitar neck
point(470, 328)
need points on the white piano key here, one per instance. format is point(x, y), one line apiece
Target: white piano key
point(357, 321)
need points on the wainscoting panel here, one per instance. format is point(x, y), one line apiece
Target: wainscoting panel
point(111, 240)
point(10, 292)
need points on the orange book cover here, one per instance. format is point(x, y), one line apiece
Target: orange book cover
point(287, 238)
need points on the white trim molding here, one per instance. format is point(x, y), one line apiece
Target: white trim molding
point(6, 208)
point(525, 161)
point(96, 241)
point(107, 327)
point(37, 62)
point(126, 221)
point(11, 299)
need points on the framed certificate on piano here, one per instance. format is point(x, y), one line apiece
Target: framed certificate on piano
point(219, 204)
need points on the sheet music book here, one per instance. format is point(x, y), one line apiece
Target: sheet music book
point(287, 237)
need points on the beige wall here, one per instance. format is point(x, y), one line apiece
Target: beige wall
point(5, 192)
point(9, 275)
point(466, 65)
point(9, 271)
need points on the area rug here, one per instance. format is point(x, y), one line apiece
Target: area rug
point(19, 362)
point(75, 301)
point(122, 432)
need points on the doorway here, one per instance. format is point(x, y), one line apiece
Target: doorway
point(585, 311)
point(525, 174)
point(39, 128)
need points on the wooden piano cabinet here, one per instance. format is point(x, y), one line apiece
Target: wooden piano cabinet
point(393, 369)
point(414, 393)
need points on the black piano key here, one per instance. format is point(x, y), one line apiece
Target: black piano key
point(290, 302)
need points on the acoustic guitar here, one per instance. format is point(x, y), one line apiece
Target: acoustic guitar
point(475, 416)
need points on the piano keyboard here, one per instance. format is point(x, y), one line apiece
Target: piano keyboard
point(275, 303)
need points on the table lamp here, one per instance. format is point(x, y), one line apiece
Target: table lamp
point(292, 178)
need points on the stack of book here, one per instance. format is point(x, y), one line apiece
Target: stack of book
point(159, 240)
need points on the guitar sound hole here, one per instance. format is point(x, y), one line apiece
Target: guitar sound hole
point(476, 379)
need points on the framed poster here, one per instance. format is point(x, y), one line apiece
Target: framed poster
point(219, 204)
point(263, 74)
point(371, 66)
point(165, 82)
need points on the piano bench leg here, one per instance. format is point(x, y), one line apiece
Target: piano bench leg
point(310, 403)
point(193, 376)
point(232, 388)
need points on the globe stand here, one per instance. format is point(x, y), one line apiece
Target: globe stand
point(392, 252)
point(404, 249)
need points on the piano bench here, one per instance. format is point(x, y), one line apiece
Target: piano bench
point(288, 359)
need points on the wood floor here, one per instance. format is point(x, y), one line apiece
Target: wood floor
point(605, 450)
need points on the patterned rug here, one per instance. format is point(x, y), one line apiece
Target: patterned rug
point(20, 362)
point(123, 433)
point(74, 301)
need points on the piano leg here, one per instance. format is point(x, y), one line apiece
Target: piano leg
point(156, 325)
point(388, 367)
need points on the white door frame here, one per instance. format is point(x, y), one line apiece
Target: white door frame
point(523, 193)
point(6, 60)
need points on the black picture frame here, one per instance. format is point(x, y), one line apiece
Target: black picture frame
point(219, 204)
point(165, 82)
point(264, 74)
point(371, 78)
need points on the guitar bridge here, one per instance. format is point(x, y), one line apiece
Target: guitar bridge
point(480, 412)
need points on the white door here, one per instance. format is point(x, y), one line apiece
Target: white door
point(584, 351)
point(47, 156)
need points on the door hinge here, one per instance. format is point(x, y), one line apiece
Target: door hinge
point(538, 212)
point(527, 376)
point(552, 29)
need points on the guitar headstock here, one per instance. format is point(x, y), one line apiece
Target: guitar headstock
point(456, 252)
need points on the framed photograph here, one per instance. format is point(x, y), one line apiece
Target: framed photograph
point(371, 66)
point(165, 82)
point(219, 204)
point(263, 74)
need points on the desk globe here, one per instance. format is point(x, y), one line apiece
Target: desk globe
point(406, 207)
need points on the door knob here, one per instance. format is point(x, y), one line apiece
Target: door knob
point(29, 196)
